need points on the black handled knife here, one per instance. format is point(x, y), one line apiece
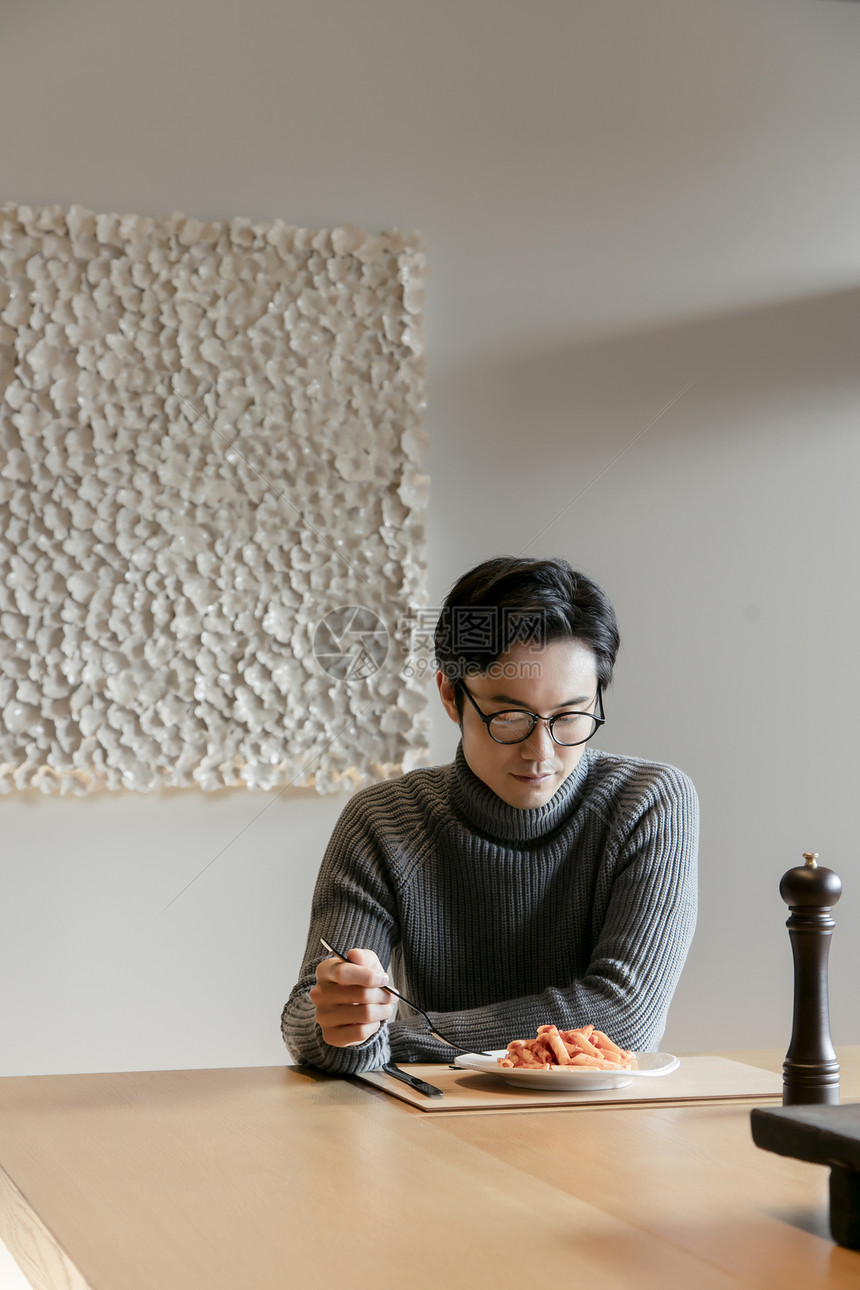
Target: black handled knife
point(429, 1090)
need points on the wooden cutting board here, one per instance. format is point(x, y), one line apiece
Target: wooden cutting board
point(697, 1079)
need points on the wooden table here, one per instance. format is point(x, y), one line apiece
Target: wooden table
point(276, 1178)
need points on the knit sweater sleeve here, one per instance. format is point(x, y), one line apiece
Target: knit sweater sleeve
point(646, 923)
point(353, 907)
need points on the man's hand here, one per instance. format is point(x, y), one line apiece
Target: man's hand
point(349, 1002)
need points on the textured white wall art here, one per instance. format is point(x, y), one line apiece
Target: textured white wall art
point(211, 502)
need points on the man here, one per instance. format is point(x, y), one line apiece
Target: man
point(533, 880)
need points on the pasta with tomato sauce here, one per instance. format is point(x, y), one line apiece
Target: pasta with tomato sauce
point(554, 1049)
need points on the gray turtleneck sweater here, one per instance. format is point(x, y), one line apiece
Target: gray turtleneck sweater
point(497, 920)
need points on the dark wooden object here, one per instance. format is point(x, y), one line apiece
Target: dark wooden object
point(824, 1135)
point(810, 1070)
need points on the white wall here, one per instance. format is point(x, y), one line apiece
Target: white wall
point(619, 198)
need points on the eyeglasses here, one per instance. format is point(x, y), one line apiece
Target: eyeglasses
point(515, 724)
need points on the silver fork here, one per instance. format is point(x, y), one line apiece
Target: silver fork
point(390, 990)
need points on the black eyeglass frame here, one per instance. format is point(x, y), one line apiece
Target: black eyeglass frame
point(536, 717)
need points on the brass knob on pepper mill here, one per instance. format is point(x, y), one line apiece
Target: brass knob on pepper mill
point(810, 1069)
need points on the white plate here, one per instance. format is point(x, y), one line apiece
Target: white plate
point(580, 1079)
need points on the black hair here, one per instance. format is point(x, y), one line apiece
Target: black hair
point(514, 599)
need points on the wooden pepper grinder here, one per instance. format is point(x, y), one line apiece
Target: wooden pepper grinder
point(810, 1069)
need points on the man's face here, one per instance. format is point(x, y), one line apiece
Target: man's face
point(562, 676)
